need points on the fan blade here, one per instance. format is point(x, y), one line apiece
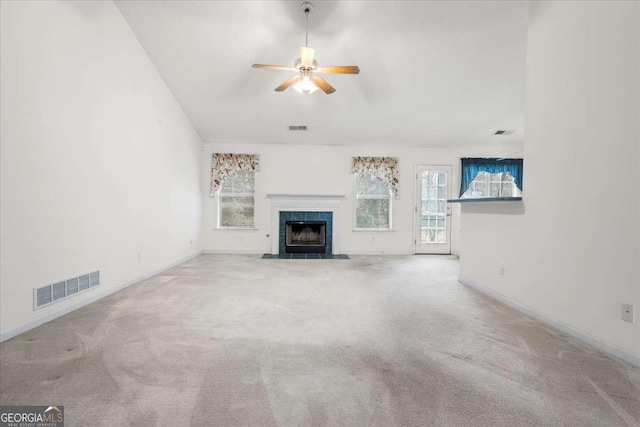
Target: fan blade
point(306, 56)
point(273, 67)
point(322, 84)
point(340, 69)
point(288, 83)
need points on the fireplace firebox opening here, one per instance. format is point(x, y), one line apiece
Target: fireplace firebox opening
point(307, 237)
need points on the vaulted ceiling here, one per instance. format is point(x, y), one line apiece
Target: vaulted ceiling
point(433, 73)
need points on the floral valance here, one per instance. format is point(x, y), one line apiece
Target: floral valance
point(385, 167)
point(224, 164)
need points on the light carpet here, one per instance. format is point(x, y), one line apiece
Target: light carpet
point(231, 340)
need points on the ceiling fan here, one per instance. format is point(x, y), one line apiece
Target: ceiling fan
point(306, 81)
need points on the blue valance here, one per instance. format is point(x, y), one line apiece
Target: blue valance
point(471, 166)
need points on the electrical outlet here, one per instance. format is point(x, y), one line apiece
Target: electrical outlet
point(627, 313)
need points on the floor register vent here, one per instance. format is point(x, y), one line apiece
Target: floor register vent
point(55, 292)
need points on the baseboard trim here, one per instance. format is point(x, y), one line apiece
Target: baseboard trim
point(567, 329)
point(10, 333)
point(234, 252)
point(381, 253)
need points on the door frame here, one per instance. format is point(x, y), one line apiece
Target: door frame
point(417, 204)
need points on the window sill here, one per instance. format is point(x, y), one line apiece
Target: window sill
point(236, 229)
point(373, 230)
point(486, 199)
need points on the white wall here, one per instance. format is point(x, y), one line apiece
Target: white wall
point(99, 163)
point(571, 251)
point(327, 170)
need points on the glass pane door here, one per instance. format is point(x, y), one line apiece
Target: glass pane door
point(433, 228)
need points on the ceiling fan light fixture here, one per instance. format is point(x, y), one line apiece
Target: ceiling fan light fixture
point(305, 85)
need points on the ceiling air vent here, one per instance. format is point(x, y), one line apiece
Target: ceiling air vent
point(503, 132)
point(304, 127)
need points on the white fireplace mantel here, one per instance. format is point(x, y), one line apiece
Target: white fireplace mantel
point(297, 202)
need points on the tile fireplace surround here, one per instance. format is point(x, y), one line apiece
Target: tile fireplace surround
point(286, 216)
point(305, 203)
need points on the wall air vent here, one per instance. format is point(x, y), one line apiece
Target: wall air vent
point(83, 283)
point(303, 127)
point(49, 294)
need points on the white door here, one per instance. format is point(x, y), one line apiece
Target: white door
point(433, 213)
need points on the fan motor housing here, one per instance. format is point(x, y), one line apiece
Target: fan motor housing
point(298, 65)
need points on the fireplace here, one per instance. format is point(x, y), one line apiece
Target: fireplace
point(305, 207)
point(307, 237)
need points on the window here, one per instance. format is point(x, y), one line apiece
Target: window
point(236, 200)
point(491, 178)
point(373, 201)
point(433, 209)
point(487, 184)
